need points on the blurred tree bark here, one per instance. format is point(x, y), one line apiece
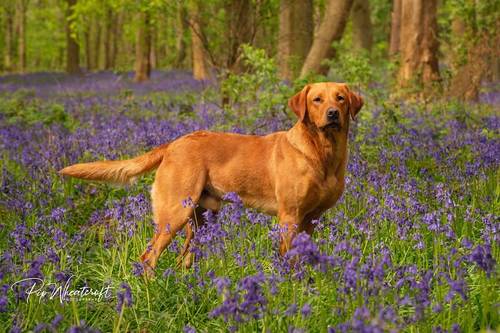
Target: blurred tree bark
point(107, 39)
point(143, 47)
point(92, 44)
point(72, 47)
point(8, 53)
point(153, 54)
point(475, 51)
point(119, 41)
point(395, 27)
point(330, 29)
point(88, 51)
point(362, 34)
point(240, 29)
point(180, 43)
point(200, 68)
point(21, 7)
point(103, 42)
point(284, 36)
point(296, 28)
point(113, 39)
point(419, 45)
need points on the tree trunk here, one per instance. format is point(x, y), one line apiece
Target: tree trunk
point(295, 36)
point(153, 55)
point(72, 47)
point(107, 39)
point(200, 69)
point(395, 27)
point(117, 40)
point(430, 44)
point(96, 38)
point(482, 46)
point(180, 43)
point(240, 29)
point(103, 42)
point(143, 48)
point(88, 51)
point(419, 45)
point(284, 38)
point(127, 47)
point(362, 36)
point(112, 36)
point(331, 29)
point(21, 31)
point(9, 38)
point(92, 44)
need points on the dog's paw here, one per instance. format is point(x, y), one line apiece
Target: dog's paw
point(188, 260)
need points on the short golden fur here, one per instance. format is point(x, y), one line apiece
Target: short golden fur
point(295, 174)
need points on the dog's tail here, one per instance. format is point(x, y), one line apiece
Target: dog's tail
point(120, 172)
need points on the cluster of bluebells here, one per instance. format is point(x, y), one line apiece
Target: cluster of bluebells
point(247, 301)
point(124, 297)
point(410, 239)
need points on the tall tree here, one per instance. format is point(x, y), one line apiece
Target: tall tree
point(284, 38)
point(362, 35)
point(106, 40)
point(92, 36)
point(395, 27)
point(96, 41)
point(112, 39)
point(143, 47)
point(118, 40)
point(8, 54)
point(103, 42)
point(200, 67)
point(153, 51)
point(180, 43)
point(419, 44)
point(72, 47)
point(240, 29)
point(331, 29)
point(475, 48)
point(21, 7)
point(295, 35)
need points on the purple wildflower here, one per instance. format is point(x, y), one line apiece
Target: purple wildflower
point(124, 297)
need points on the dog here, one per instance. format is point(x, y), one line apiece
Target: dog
point(296, 174)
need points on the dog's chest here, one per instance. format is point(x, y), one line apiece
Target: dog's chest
point(329, 192)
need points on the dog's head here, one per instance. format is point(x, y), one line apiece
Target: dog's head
point(326, 105)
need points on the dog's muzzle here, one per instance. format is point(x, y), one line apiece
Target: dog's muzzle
point(333, 119)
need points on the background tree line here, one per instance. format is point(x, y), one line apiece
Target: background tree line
point(425, 45)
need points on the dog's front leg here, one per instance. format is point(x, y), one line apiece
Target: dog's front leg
point(289, 225)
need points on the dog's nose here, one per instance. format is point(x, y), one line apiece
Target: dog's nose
point(332, 114)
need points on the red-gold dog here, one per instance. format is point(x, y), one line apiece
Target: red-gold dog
point(296, 175)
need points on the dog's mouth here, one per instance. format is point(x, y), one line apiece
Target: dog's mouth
point(335, 125)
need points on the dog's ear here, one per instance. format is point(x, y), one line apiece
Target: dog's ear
point(298, 103)
point(355, 104)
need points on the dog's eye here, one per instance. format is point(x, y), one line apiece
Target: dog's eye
point(340, 98)
point(317, 99)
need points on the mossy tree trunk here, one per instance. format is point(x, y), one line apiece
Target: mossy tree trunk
point(72, 47)
point(331, 29)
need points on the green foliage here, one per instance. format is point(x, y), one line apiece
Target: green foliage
point(27, 112)
point(354, 69)
point(361, 72)
point(258, 91)
point(479, 15)
point(45, 38)
point(380, 15)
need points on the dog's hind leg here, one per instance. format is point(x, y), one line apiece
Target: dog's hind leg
point(206, 202)
point(175, 193)
point(185, 258)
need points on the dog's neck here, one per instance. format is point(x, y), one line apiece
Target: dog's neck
point(326, 148)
